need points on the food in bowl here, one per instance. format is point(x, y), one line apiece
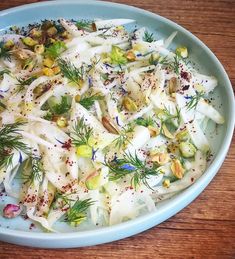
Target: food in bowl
point(98, 122)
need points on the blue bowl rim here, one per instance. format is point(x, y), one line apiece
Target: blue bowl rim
point(185, 197)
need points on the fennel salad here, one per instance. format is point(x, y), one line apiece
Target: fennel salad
point(98, 123)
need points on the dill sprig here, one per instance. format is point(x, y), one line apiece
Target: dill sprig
point(165, 61)
point(4, 71)
point(81, 133)
point(62, 107)
point(85, 25)
point(3, 105)
point(192, 104)
point(133, 166)
point(74, 74)
point(172, 64)
point(36, 171)
point(148, 37)
point(24, 82)
point(77, 213)
point(167, 116)
point(10, 139)
point(64, 198)
point(87, 102)
point(123, 139)
point(144, 121)
point(4, 52)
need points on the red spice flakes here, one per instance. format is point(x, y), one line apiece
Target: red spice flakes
point(67, 144)
point(32, 225)
point(129, 188)
point(185, 75)
point(186, 87)
point(29, 199)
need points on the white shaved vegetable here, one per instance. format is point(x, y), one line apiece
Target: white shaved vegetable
point(100, 24)
point(99, 123)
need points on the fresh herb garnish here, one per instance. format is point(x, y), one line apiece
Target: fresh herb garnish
point(36, 172)
point(55, 109)
point(4, 52)
point(131, 165)
point(64, 198)
point(192, 104)
point(74, 74)
point(81, 133)
point(165, 61)
point(166, 116)
point(4, 71)
point(148, 37)
point(62, 107)
point(3, 105)
point(122, 139)
point(145, 121)
point(87, 102)
point(55, 49)
point(104, 76)
point(77, 213)
point(24, 82)
point(10, 139)
point(166, 119)
point(85, 25)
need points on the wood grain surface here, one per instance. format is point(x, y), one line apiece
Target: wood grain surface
point(206, 228)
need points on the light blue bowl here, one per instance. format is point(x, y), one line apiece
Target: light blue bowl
point(17, 230)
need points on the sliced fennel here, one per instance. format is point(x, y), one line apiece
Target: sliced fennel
point(104, 127)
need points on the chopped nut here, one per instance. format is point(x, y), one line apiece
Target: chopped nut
point(29, 41)
point(35, 33)
point(9, 44)
point(47, 62)
point(39, 49)
point(56, 70)
point(28, 64)
point(130, 55)
point(61, 122)
point(93, 181)
point(65, 34)
point(166, 183)
point(177, 169)
point(48, 71)
point(77, 98)
point(182, 135)
point(153, 131)
point(119, 28)
point(199, 88)
point(11, 211)
point(182, 52)
point(161, 158)
point(173, 148)
point(187, 149)
point(51, 31)
point(173, 85)
point(129, 104)
point(166, 132)
point(46, 24)
point(84, 151)
point(108, 125)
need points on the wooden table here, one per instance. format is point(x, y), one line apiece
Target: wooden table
point(206, 228)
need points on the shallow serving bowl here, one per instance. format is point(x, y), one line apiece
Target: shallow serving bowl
point(18, 230)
